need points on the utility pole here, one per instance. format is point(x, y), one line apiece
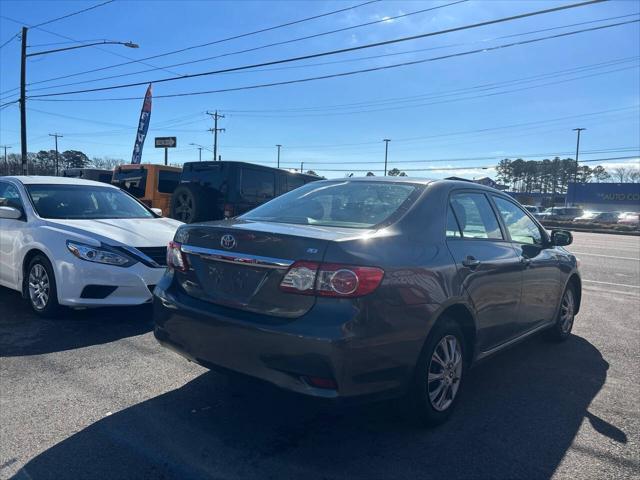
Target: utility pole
point(199, 154)
point(386, 154)
point(23, 99)
point(6, 163)
point(575, 176)
point(279, 147)
point(301, 167)
point(57, 135)
point(215, 131)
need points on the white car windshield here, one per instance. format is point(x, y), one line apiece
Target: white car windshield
point(84, 202)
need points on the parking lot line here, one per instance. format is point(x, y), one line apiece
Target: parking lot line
point(605, 256)
point(610, 283)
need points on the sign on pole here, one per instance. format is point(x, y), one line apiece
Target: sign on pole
point(166, 143)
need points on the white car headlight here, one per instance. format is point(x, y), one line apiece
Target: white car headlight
point(101, 254)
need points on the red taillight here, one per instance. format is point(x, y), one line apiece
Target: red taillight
point(331, 280)
point(175, 258)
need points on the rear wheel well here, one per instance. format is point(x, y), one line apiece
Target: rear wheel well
point(575, 281)
point(25, 264)
point(462, 316)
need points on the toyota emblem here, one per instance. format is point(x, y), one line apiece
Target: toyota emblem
point(228, 241)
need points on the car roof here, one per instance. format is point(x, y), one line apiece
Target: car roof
point(51, 180)
point(466, 184)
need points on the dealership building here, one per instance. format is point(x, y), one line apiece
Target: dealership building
point(605, 197)
point(600, 197)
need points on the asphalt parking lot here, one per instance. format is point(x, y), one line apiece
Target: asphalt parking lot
point(93, 396)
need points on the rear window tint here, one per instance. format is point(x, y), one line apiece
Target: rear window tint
point(168, 181)
point(341, 204)
point(133, 181)
point(257, 185)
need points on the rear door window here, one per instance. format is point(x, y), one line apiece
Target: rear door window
point(474, 216)
point(257, 185)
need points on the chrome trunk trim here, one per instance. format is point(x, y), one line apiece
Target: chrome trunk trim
point(237, 258)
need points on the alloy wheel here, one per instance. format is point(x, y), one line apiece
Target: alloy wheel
point(184, 207)
point(39, 287)
point(567, 311)
point(444, 373)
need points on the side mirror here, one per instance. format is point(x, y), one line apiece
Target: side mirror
point(561, 238)
point(10, 213)
point(157, 211)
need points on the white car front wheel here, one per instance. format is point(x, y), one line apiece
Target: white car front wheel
point(41, 287)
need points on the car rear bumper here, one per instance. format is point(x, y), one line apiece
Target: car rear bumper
point(327, 343)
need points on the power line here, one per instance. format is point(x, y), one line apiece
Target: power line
point(351, 49)
point(261, 47)
point(321, 77)
point(72, 14)
point(215, 42)
point(349, 60)
point(59, 35)
point(473, 159)
point(476, 167)
point(444, 93)
point(450, 100)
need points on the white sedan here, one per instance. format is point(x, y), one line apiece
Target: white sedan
point(79, 243)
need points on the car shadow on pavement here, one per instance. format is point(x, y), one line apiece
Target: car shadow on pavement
point(22, 332)
point(519, 414)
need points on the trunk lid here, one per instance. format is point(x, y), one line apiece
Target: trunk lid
point(240, 264)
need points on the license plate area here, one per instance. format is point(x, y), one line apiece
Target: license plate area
point(228, 283)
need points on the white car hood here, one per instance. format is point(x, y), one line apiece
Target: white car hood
point(132, 232)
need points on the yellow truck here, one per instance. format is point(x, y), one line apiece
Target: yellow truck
point(152, 184)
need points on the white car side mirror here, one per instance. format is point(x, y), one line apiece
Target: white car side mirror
point(10, 213)
point(157, 211)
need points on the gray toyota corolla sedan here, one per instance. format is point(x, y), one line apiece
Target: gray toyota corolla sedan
point(367, 287)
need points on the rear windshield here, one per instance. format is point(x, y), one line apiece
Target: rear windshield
point(84, 202)
point(339, 204)
point(133, 181)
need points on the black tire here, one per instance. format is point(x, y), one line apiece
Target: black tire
point(561, 329)
point(426, 406)
point(188, 204)
point(40, 287)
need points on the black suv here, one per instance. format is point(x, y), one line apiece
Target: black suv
point(97, 174)
point(217, 190)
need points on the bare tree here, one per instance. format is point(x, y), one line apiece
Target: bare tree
point(623, 174)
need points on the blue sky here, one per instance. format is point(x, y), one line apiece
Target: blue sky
point(515, 101)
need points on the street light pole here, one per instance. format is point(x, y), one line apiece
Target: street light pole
point(386, 154)
point(23, 83)
point(56, 135)
point(279, 147)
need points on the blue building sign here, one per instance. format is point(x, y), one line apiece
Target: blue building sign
point(605, 196)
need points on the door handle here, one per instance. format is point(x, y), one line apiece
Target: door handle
point(525, 261)
point(470, 261)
